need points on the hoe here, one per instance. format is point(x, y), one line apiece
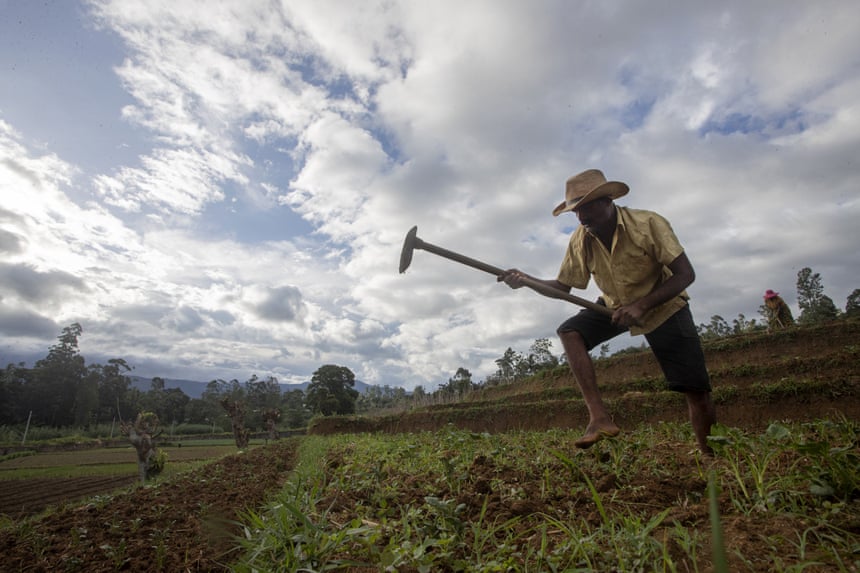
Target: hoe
point(412, 242)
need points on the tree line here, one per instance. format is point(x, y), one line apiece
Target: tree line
point(815, 307)
point(62, 390)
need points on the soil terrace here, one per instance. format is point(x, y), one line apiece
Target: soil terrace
point(802, 373)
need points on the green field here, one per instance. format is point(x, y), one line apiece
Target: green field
point(454, 500)
point(107, 461)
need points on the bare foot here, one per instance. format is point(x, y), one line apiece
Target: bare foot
point(594, 434)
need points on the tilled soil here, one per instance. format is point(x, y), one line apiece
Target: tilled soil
point(20, 498)
point(185, 524)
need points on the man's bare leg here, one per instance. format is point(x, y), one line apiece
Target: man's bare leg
point(703, 415)
point(600, 424)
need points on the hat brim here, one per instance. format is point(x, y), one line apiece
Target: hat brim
point(611, 189)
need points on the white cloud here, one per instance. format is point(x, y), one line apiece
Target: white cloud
point(737, 121)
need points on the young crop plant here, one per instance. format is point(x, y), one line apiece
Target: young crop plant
point(295, 533)
point(690, 543)
point(629, 537)
point(754, 464)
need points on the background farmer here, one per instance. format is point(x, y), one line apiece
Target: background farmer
point(778, 313)
point(642, 271)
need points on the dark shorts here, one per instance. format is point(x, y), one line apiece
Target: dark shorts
point(675, 344)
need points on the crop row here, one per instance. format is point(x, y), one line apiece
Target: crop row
point(454, 500)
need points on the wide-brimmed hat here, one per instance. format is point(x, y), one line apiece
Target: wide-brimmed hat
point(769, 294)
point(588, 186)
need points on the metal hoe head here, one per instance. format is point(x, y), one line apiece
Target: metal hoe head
point(409, 245)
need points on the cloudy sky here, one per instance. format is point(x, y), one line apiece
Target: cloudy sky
point(221, 189)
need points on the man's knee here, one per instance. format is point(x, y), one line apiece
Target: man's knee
point(573, 344)
point(570, 337)
point(699, 400)
point(697, 396)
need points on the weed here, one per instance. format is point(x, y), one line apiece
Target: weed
point(117, 553)
point(160, 539)
point(725, 393)
point(689, 541)
point(745, 370)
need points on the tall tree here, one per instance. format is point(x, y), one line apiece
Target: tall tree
point(508, 365)
point(852, 303)
point(87, 399)
point(541, 356)
point(461, 384)
point(168, 404)
point(209, 409)
point(331, 391)
point(296, 415)
point(56, 381)
point(173, 406)
point(13, 381)
point(418, 394)
point(157, 384)
point(717, 328)
point(815, 306)
point(741, 324)
point(262, 394)
point(114, 388)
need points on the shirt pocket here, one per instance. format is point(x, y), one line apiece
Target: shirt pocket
point(636, 267)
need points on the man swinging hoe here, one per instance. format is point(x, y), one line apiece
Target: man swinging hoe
point(642, 271)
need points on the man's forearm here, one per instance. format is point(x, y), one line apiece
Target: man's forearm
point(666, 291)
point(683, 276)
point(547, 287)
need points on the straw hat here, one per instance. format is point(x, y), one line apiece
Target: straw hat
point(588, 186)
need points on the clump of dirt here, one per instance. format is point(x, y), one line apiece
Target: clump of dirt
point(185, 524)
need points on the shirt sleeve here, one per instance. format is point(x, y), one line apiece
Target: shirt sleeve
point(661, 240)
point(574, 268)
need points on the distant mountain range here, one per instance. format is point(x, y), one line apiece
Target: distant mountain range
point(194, 388)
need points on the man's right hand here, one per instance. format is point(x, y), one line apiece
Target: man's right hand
point(630, 314)
point(512, 277)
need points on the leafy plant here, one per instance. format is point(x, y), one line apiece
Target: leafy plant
point(833, 467)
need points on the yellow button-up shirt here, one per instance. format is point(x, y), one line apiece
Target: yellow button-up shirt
point(643, 246)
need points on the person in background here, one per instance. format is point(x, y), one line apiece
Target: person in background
point(642, 270)
point(778, 313)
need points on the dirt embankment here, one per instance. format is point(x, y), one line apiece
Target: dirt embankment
point(802, 373)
